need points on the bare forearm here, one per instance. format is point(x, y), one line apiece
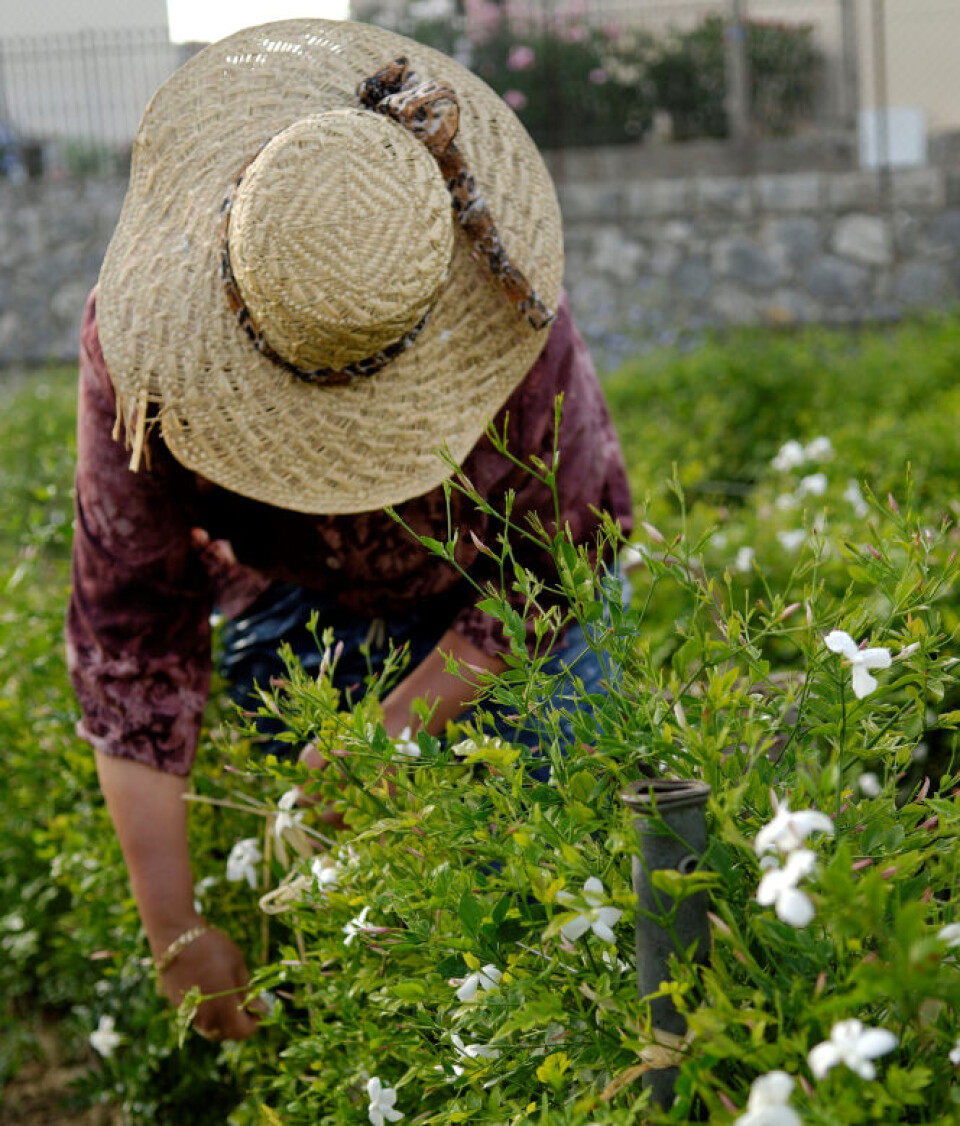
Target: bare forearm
point(150, 819)
point(452, 694)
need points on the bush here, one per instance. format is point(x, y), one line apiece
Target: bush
point(689, 77)
point(774, 532)
point(574, 82)
point(570, 83)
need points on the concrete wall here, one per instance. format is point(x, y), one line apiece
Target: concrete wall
point(647, 260)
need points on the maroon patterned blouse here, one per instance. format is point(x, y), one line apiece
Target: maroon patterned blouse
point(138, 633)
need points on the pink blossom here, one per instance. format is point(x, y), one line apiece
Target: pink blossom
point(574, 33)
point(483, 19)
point(613, 30)
point(515, 99)
point(521, 57)
point(727, 1102)
point(598, 76)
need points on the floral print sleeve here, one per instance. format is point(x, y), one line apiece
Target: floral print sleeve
point(138, 643)
point(155, 550)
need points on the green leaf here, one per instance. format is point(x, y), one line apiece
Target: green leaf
point(410, 990)
point(553, 1067)
point(470, 913)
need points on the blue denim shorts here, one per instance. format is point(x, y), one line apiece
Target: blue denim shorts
point(250, 657)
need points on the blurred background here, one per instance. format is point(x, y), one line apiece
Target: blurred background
point(768, 122)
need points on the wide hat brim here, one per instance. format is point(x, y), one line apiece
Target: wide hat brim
point(169, 337)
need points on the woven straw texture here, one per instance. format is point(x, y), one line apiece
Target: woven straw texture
point(363, 219)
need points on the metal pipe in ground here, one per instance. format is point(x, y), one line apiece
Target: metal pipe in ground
point(670, 820)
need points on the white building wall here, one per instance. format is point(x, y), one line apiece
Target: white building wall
point(82, 70)
point(49, 17)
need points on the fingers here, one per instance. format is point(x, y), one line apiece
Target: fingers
point(224, 1019)
point(215, 965)
point(312, 758)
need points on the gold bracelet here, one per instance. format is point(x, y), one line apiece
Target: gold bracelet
point(177, 947)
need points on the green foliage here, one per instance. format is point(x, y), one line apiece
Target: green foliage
point(591, 90)
point(576, 83)
point(886, 397)
point(70, 942)
point(570, 83)
point(461, 855)
point(689, 76)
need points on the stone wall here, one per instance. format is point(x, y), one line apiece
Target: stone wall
point(52, 239)
point(648, 260)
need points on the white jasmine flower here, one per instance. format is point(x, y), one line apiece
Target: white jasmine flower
point(789, 830)
point(819, 449)
point(286, 819)
point(633, 556)
point(791, 539)
point(869, 784)
point(609, 958)
point(243, 860)
point(950, 934)
point(200, 889)
point(768, 1104)
point(779, 887)
point(597, 918)
point(853, 1045)
point(382, 1099)
point(326, 873)
point(405, 746)
point(815, 485)
point(954, 1056)
point(488, 978)
point(356, 926)
point(104, 1039)
point(786, 501)
point(861, 660)
point(789, 456)
point(744, 559)
point(855, 498)
point(469, 746)
point(269, 1001)
point(472, 1052)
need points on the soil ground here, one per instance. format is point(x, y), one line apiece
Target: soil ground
point(39, 1093)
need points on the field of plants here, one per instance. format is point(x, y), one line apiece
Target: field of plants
point(465, 950)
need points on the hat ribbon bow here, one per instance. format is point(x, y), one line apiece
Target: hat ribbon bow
point(430, 111)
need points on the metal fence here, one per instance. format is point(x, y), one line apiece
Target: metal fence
point(71, 102)
point(879, 73)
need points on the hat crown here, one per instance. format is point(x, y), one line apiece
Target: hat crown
point(340, 238)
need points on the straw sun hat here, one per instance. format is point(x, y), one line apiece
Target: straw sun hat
point(310, 287)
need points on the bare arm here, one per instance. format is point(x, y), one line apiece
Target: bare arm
point(150, 819)
point(431, 682)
